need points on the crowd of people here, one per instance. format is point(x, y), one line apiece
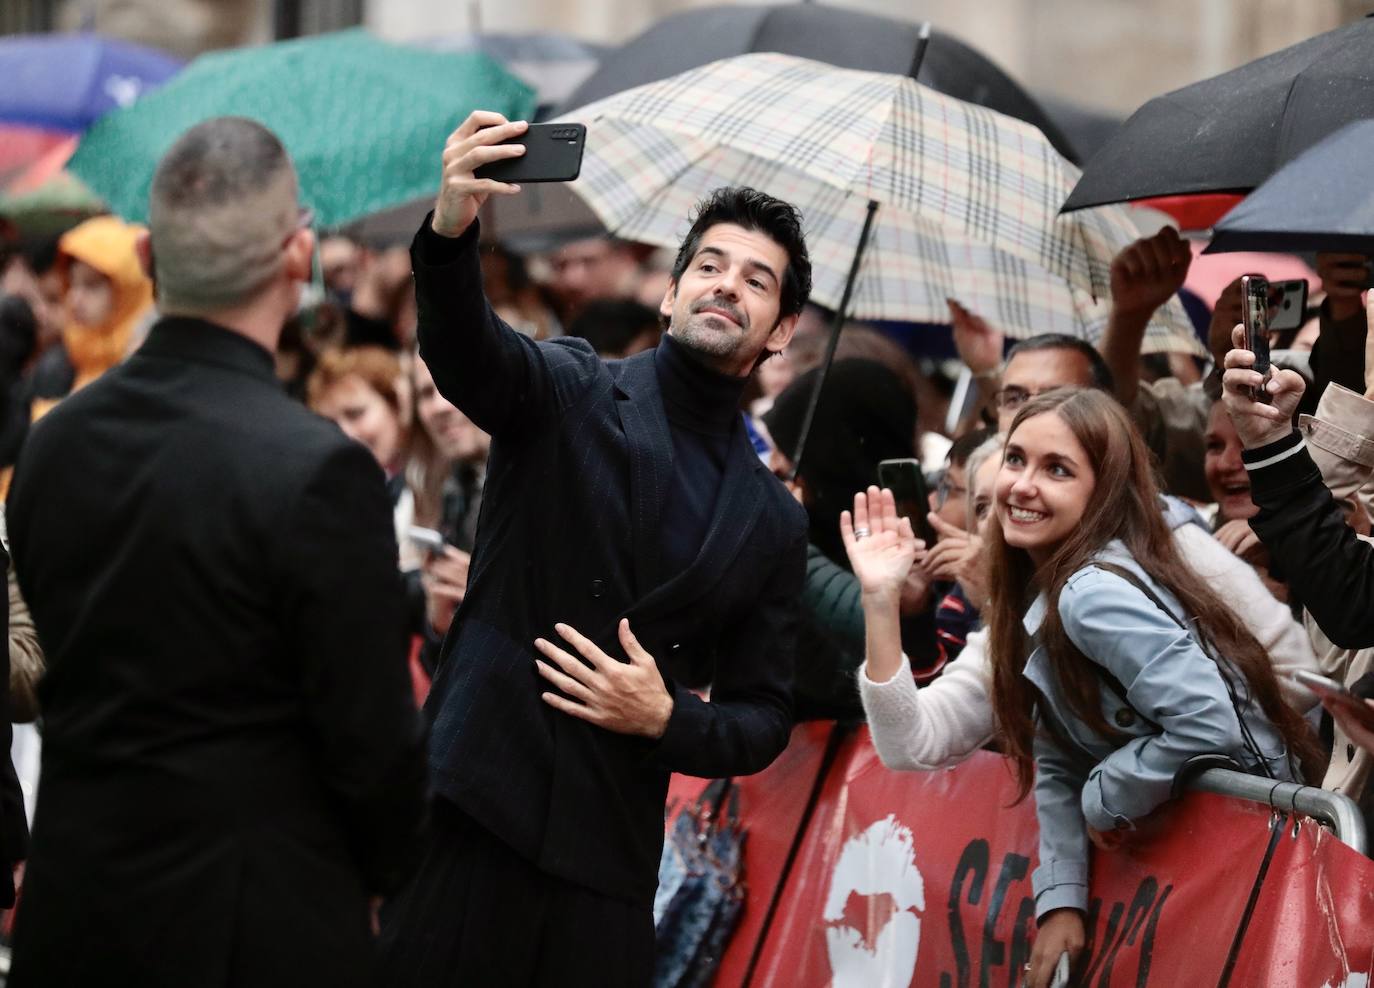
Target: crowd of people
point(564, 523)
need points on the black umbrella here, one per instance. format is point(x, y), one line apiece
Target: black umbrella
point(1321, 200)
point(1229, 133)
point(841, 37)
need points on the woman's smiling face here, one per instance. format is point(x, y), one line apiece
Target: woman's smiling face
point(1043, 487)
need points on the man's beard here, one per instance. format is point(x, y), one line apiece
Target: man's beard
point(704, 339)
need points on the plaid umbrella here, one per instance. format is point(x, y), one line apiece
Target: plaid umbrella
point(967, 200)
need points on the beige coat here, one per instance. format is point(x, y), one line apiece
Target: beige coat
point(26, 655)
point(1340, 439)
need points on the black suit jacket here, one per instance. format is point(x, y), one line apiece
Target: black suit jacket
point(232, 758)
point(570, 531)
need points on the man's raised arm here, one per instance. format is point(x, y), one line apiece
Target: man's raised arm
point(498, 377)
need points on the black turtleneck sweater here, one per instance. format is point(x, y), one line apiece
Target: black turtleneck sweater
point(702, 406)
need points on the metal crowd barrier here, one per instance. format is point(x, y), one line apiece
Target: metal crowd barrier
point(1332, 808)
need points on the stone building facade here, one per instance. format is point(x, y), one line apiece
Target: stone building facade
point(1107, 54)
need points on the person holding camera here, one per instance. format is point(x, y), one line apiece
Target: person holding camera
point(1299, 521)
point(632, 549)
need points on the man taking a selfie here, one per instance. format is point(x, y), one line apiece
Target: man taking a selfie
point(632, 548)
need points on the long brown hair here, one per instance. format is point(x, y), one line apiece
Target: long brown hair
point(1125, 506)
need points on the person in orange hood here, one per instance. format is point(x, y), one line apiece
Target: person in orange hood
point(108, 298)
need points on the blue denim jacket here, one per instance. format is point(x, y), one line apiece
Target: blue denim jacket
point(1094, 781)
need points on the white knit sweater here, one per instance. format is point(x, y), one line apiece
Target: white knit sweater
point(951, 718)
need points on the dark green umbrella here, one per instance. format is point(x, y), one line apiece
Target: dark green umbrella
point(53, 208)
point(364, 121)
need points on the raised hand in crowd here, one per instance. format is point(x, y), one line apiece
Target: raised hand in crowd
point(1226, 313)
point(1144, 276)
point(476, 142)
point(978, 344)
point(1344, 279)
point(1259, 423)
point(444, 577)
point(952, 553)
point(881, 547)
point(1148, 272)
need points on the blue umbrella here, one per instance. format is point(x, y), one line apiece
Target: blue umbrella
point(67, 81)
point(1321, 200)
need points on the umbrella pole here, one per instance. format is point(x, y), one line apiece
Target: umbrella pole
point(922, 43)
point(834, 339)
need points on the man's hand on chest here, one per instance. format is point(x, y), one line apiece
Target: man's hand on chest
point(625, 697)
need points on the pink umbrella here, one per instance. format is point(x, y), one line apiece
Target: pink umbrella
point(28, 155)
point(1210, 273)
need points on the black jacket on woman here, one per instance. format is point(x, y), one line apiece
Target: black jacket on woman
point(1308, 540)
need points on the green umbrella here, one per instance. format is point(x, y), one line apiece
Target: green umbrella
point(364, 121)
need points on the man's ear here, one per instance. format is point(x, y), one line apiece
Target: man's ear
point(782, 333)
point(299, 254)
point(665, 308)
point(143, 248)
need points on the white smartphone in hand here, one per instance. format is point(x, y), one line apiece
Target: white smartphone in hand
point(426, 538)
point(1338, 695)
point(1060, 978)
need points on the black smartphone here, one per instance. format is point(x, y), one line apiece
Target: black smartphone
point(1254, 311)
point(908, 486)
point(553, 153)
point(1288, 304)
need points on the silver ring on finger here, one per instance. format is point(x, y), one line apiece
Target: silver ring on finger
point(861, 533)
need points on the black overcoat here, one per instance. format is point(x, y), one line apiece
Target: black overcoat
point(232, 758)
point(570, 531)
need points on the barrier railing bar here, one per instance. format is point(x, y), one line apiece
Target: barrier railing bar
point(1330, 807)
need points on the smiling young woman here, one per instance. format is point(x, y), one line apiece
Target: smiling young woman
point(1113, 662)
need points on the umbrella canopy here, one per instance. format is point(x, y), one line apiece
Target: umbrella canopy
point(1229, 133)
point(554, 64)
point(54, 207)
point(67, 81)
point(26, 151)
point(837, 36)
point(967, 199)
point(364, 121)
point(1321, 200)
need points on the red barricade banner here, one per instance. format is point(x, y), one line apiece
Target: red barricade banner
point(771, 804)
point(924, 879)
point(1314, 921)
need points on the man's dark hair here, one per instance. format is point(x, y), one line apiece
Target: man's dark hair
point(1102, 378)
point(962, 448)
point(611, 325)
point(758, 211)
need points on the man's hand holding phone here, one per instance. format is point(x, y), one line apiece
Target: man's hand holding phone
point(1258, 423)
point(479, 140)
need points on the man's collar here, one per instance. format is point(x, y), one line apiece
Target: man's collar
point(201, 341)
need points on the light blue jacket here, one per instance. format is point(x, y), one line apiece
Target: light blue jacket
point(1099, 782)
